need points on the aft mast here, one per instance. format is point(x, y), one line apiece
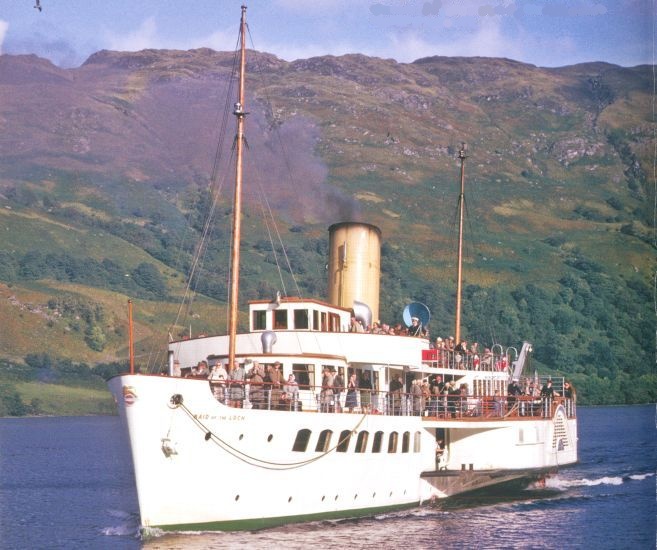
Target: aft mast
point(240, 114)
point(459, 269)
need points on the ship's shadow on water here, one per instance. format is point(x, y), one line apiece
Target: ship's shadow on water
point(492, 497)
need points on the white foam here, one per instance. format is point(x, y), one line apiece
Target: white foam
point(558, 483)
point(640, 477)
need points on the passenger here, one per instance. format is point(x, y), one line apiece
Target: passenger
point(426, 397)
point(513, 391)
point(416, 328)
point(570, 395)
point(218, 378)
point(202, 369)
point(474, 356)
point(453, 399)
point(487, 360)
point(291, 392)
point(256, 389)
point(497, 403)
point(276, 377)
point(376, 327)
point(416, 395)
point(176, 368)
point(266, 384)
point(338, 387)
point(236, 377)
point(568, 390)
point(365, 385)
point(460, 356)
point(352, 396)
point(356, 325)
point(547, 391)
point(327, 398)
point(395, 390)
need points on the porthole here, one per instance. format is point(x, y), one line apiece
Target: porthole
point(355, 496)
point(390, 493)
point(270, 437)
point(336, 497)
point(373, 495)
point(237, 497)
point(241, 437)
point(289, 499)
point(323, 497)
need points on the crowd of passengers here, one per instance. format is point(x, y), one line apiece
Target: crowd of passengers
point(269, 389)
point(447, 352)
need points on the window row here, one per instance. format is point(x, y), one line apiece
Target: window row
point(302, 319)
point(341, 445)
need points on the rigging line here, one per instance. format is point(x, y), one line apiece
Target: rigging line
point(215, 186)
point(271, 240)
point(286, 161)
point(215, 190)
point(254, 461)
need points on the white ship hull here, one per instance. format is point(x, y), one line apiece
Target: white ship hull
point(202, 465)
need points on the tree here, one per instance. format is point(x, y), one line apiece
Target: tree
point(148, 277)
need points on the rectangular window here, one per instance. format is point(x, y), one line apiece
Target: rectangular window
point(416, 442)
point(406, 442)
point(280, 319)
point(361, 442)
point(324, 323)
point(376, 445)
point(315, 319)
point(301, 319)
point(324, 441)
point(334, 320)
point(304, 375)
point(392, 442)
point(301, 441)
point(260, 320)
point(343, 445)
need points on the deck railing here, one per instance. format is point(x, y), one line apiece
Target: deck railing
point(444, 406)
point(447, 359)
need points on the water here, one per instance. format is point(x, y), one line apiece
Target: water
point(67, 483)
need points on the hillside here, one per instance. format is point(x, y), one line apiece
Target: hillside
point(105, 175)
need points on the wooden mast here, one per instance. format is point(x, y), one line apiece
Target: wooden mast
point(131, 341)
point(240, 114)
point(459, 269)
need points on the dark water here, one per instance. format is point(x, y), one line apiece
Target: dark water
point(67, 483)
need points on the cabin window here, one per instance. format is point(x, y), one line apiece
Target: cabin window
point(334, 320)
point(324, 322)
point(406, 442)
point(343, 445)
point(301, 442)
point(304, 375)
point(324, 441)
point(259, 320)
point(315, 320)
point(416, 442)
point(376, 444)
point(280, 319)
point(301, 319)
point(361, 442)
point(392, 442)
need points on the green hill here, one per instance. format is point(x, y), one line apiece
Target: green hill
point(107, 178)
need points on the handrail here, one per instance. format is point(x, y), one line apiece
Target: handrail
point(446, 406)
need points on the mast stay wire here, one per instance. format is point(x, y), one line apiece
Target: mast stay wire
point(215, 187)
point(289, 173)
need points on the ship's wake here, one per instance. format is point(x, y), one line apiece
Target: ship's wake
point(127, 525)
point(562, 484)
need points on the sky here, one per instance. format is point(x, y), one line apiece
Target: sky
point(547, 33)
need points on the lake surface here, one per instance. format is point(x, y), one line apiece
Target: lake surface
point(68, 483)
